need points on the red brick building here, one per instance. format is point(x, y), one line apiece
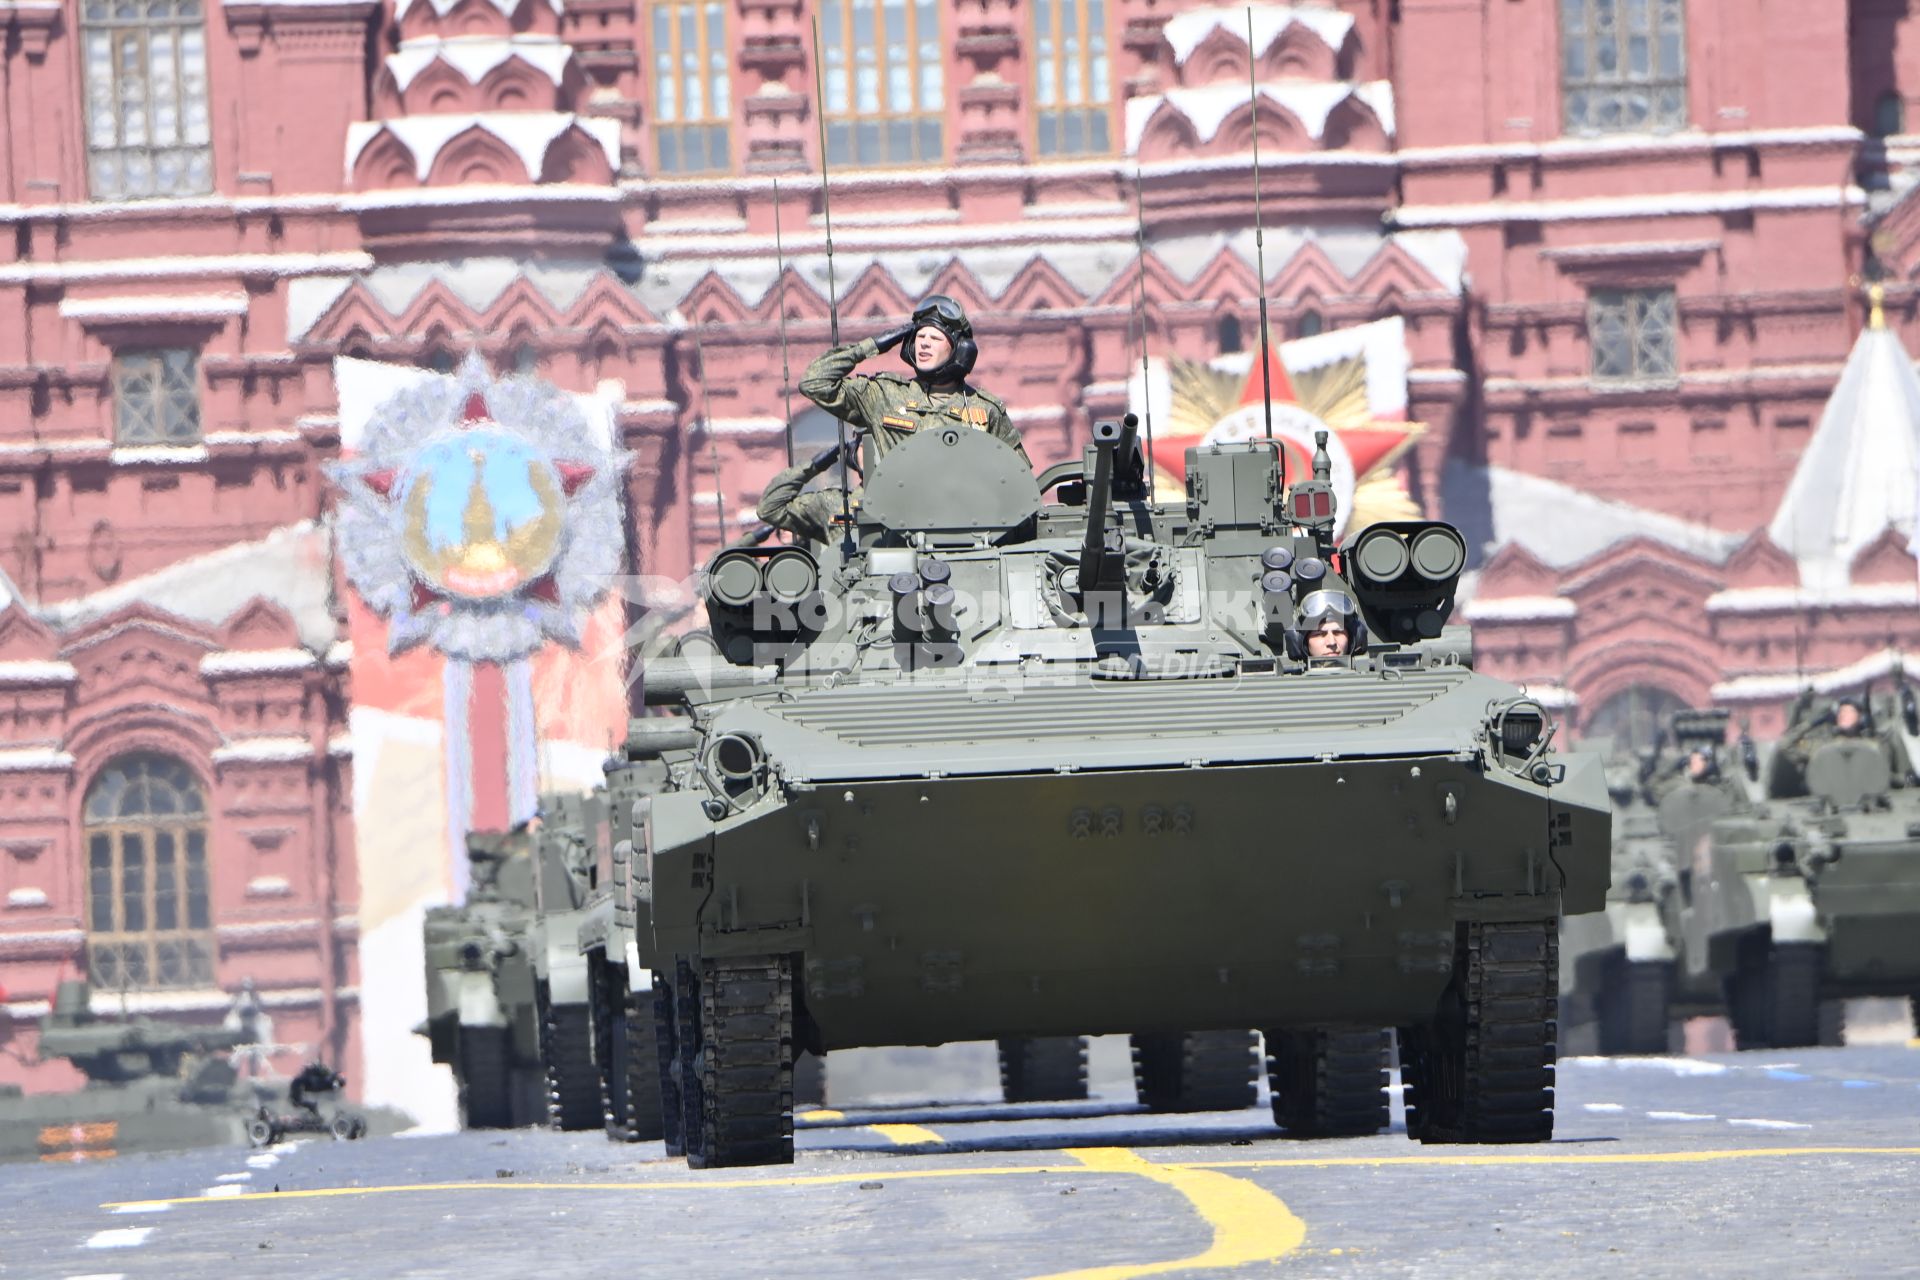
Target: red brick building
point(1620, 235)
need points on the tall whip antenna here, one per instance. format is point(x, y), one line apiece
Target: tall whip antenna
point(1146, 377)
point(1260, 254)
point(833, 296)
point(780, 266)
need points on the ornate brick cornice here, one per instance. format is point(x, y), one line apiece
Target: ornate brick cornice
point(35, 21)
point(315, 28)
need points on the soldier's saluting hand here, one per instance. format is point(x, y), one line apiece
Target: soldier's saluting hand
point(887, 408)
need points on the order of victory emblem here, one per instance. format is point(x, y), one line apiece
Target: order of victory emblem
point(480, 517)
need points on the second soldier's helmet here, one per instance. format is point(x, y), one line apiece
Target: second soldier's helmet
point(946, 315)
point(1315, 608)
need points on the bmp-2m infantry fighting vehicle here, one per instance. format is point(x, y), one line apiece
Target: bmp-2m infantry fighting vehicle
point(1624, 981)
point(483, 1009)
point(151, 1086)
point(1812, 894)
point(571, 826)
point(989, 767)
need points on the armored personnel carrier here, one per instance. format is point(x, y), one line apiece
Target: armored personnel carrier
point(482, 1012)
point(1811, 894)
point(151, 1086)
point(565, 846)
point(1624, 982)
point(989, 767)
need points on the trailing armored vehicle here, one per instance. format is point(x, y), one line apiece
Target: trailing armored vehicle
point(565, 847)
point(1811, 894)
point(1624, 984)
point(151, 1086)
point(986, 767)
point(482, 1011)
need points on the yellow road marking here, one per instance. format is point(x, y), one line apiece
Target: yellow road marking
point(1250, 1224)
point(907, 1135)
point(1648, 1157)
point(1914, 1043)
point(819, 1115)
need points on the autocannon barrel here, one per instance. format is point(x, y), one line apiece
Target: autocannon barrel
point(1096, 555)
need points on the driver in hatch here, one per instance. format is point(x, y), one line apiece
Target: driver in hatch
point(1330, 626)
point(887, 408)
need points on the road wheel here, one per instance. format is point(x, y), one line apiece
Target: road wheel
point(1482, 1069)
point(1329, 1084)
point(666, 1033)
point(1747, 996)
point(741, 1109)
point(1043, 1068)
point(342, 1127)
point(1793, 994)
point(1634, 1002)
point(483, 1059)
point(639, 1067)
point(810, 1080)
point(1196, 1070)
point(566, 1048)
point(260, 1131)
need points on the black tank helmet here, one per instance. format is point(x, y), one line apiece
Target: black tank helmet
point(1315, 608)
point(946, 315)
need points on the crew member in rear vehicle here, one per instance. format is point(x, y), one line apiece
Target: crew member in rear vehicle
point(888, 408)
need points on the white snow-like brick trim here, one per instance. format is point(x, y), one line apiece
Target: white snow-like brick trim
point(1184, 32)
point(269, 887)
point(169, 454)
point(194, 306)
point(445, 7)
point(480, 193)
point(528, 134)
point(1442, 376)
point(272, 750)
point(256, 662)
point(33, 759)
point(1762, 688)
point(339, 654)
point(1611, 145)
point(1206, 108)
point(1877, 595)
point(275, 265)
point(476, 57)
point(1037, 413)
point(762, 426)
point(219, 439)
point(1597, 208)
point(37, 671)
point(267, 928)
point(1522, 609)
point(1553, 697)
point(26, 896)
point(340, 746)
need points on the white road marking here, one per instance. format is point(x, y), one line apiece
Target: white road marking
point(234, 1177)
point(101, 1275)
point(1678, 1066)
point(118, 1237)
point(225, 1189)
point(1679, 1115)
point(1608, 1108)
point(1770, 1124)
point(143, 1208)
point(262, 1161)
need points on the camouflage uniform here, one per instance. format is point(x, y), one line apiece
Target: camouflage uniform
point(888, 407)
point(785, 504)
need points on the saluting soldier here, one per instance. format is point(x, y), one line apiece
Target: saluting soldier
point(786, 503)
point(887, 408)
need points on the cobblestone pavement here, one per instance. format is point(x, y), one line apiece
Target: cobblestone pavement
point(1783, 1163)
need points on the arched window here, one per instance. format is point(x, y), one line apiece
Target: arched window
point(1632, 717)
point(149, 920)
point(1229, 334)
point(1310, 324)
point(1889, 115)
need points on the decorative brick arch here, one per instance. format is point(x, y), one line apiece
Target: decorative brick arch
point(1220, 57)
point(575, 157)
point(1353, 126)
point(1168, 135)
point(1599, 674)
point(1280, 130)
point(1297, 53)
point(476, 155)
point(385, 164)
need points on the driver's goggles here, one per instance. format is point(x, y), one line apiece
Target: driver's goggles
point(1318, 606)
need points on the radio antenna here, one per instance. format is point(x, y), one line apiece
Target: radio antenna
point(1260, 256)
point(1146, 377)
point(780, 267)
point(833, 296)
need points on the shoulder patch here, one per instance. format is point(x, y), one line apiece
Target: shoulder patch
point(890, 377)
